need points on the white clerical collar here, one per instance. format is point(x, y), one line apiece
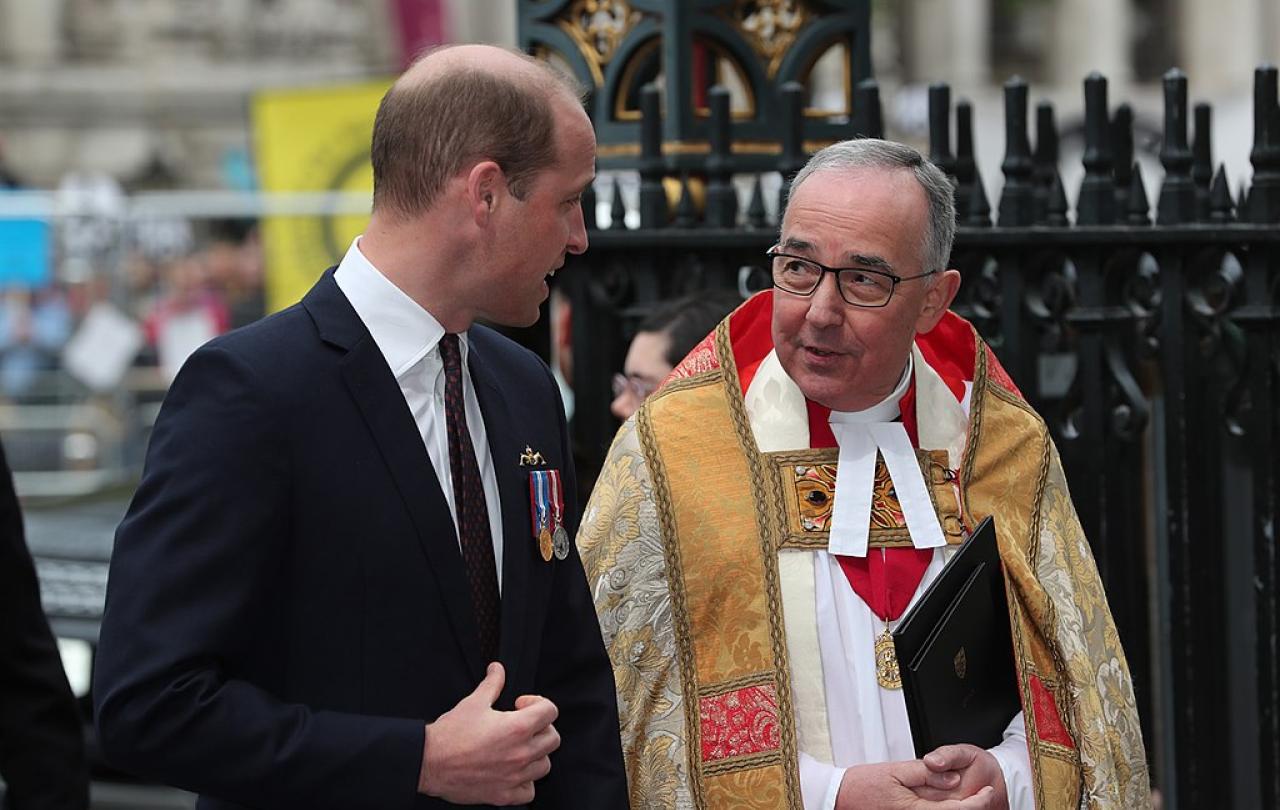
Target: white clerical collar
point(886, 410)
point(861, 435)
point(403, 331)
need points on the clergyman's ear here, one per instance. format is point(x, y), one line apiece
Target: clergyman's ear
point(939, 295)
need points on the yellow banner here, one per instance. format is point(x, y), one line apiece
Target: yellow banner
point(314, 140)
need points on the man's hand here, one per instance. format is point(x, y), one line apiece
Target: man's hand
point(908, 785)
point(475, 755)
point(971, 768)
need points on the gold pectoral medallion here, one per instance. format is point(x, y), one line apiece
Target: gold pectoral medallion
point(887, 674)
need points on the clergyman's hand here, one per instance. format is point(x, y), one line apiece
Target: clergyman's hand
point(898, 786)
point(476, 755)
point(971, 768)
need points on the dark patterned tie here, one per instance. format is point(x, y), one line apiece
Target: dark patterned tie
point(468, 497)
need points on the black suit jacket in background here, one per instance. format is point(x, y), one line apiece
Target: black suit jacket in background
point(42, 755)
point(287, 604)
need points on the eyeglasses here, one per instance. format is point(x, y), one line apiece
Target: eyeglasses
point(858, 286)
point(638, 388)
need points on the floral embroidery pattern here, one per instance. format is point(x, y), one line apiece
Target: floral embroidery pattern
point(739, 723)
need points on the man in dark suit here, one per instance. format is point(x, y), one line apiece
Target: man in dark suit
point(344, 580)
point(41, 736)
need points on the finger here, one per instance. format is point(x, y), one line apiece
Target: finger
point(982, 800)
point(527, 700)
point(495, 677)
point(950, 757)
point(934, 795)
point(536, 770)
point(521, 794)
point(545, 741)
point(537, 715)
point(944, 780)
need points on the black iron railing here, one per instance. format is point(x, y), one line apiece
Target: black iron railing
point(1151, 345)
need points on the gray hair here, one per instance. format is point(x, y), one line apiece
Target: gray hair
point(871, 153)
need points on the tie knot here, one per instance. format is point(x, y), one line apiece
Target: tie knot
point(450, 353)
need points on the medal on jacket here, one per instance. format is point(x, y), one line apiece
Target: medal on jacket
point(560, 536)
point(540, 512)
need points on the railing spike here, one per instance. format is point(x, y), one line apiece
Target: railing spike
point(868, 120)
point(1139, 209)
point(618, 208)
point(966, 169)
point(940, 128)
point(1177, 193)
point(979, 215)
point(653, 198)
point(1056, 203)
point(1202, 157)
point(1264, 193)
point(757, 216)
point(722, 200)
point(1221, 206)
point(1097, 200)
point(1016, 202)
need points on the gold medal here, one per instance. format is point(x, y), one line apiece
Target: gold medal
point(887, 674)
point(545, 543)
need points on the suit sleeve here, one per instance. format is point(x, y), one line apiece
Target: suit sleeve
point(42, 755)
point(195, 562)
point(576, 674)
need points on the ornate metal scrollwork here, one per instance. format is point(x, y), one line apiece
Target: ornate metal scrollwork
point(597, 27)
point(979, 298)
point(1215, 285)
point(770, 27)
point(1133, 299)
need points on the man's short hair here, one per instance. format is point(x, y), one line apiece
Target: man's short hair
point(687, 320)
point(871, 153)
point(428, 130)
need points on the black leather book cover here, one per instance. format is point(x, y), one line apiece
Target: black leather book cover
point(955, 654)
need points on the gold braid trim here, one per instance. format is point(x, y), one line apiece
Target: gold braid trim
point(679, 603)
point(766, 491)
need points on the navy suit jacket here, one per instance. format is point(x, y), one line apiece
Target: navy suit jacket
point(287, 605)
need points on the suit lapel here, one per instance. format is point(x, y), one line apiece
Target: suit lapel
point(381, 403)
point(513, 486)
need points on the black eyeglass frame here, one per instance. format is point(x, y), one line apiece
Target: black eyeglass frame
point(894, 280)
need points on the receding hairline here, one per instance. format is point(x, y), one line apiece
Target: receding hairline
point(504, 64)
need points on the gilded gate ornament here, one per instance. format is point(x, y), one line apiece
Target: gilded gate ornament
point(597, 26)
point(770, 26)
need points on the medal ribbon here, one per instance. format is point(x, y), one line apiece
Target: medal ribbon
point(885, 581)
point(537, 501)
point(557, 499)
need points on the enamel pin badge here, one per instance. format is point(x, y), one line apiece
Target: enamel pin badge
point(546, 513)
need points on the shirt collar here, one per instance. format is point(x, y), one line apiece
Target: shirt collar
point(403, 331)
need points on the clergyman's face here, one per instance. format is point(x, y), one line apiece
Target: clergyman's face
point(845, 357)
point(536, 233)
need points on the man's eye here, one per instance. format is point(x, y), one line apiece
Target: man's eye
point(859, 279)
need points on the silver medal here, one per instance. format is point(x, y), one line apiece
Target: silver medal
point(560, 541)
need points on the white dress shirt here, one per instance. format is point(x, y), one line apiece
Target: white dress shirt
point(409, 338)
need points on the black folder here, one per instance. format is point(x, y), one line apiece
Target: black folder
point(955, 654)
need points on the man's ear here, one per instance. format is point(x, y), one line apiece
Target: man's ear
point(484, 182)
point(937, 297)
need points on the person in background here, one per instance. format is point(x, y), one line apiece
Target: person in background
point(42, 755)
point(662, 340)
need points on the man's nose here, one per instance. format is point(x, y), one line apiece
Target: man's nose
point(577, 243)
point(826, 307)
